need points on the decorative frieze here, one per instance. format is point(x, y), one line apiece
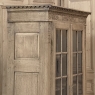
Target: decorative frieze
point(65, 17)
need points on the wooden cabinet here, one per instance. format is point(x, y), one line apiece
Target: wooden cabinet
point(43, 51)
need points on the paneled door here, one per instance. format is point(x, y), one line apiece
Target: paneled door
point(27, 61)
point(23, 59)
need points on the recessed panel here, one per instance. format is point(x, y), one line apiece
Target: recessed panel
point(26, 83)
point(33, 27)
point(26, 45)
point(90, 86)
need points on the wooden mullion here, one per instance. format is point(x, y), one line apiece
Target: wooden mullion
point(71, 60)
point(61, 62)
point(61, 53)
point(77, 62)
point(77, 74)
point(67, 36)
point(78, 52)
point(61, 77)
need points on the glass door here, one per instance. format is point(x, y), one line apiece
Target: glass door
point(69, 60)
point(77, 63)
point(61, 62)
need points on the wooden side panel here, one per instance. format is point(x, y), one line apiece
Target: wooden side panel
point(26, 83)
point(45, 58)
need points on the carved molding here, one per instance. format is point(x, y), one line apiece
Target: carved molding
point(51, 8)
point(65, 17)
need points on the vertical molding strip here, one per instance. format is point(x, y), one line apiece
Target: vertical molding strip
point(93, 36)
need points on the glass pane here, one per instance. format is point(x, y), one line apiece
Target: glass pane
point(58, 87)
point(74, 63)
point(64, 64)
point(58, 65)
point(64, 40)
point(64, 86)
point(74, 41)
point(58, 41)
point(79, 63)
point(80, 85)
point(79, 41)
point(74, 85)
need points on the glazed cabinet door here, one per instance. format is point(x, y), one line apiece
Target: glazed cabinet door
point(78, 66)
point(68, 59)
point(61, 59)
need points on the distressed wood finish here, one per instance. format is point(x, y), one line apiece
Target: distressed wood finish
point(29, 46)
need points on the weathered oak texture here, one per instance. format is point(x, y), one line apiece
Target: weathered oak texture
point(28, 48)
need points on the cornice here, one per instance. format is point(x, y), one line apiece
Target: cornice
point(49, 8)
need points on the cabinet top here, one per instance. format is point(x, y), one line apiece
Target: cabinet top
point(49, 8)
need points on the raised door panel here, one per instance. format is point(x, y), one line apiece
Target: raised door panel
point(26, 83)
point(26, 45)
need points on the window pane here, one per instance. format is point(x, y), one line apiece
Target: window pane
point(64, 86)
point(64, 64)
point(80, 85)
point(58, 87)
point(58, 65)
point(74, 41)
point(74, 63)
point(79, 63)
point(64, 40)
point(58, 40)
point(74, 85)
point(79, 41)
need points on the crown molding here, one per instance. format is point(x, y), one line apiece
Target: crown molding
point(49, 8)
